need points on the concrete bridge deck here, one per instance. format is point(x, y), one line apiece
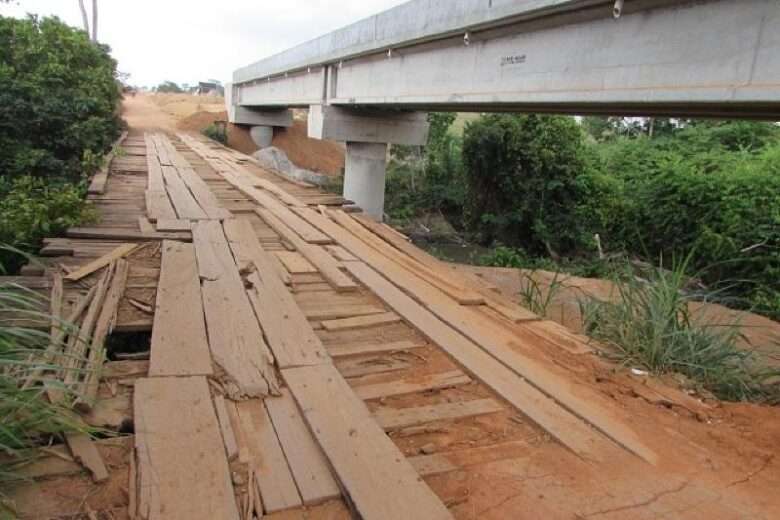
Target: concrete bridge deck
point(308, 362)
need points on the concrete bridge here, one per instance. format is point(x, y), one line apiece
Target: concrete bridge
point(371, 83)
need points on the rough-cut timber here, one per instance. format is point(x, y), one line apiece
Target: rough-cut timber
point(432, 382)
point(179, 342)
point(235, 338)
point(101, 262)
point(309, 466)
point(378, 481)
point(182, 468)
point(393, 419)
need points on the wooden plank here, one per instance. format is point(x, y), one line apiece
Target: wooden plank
point(179, 344)
point(341, 254)
point(497, 341)
point(182, 468)
point(559, 423)
point(228, 437)
point(288, 332)
point(87, 391)
point(158, 205)
point(439, 270)
point(294, 262)
point(145, 226)
point(247, 249)
point(338, 351)
point(438, 381)
point(267, 459)
point(326, 264)
point(173, 225)
point(285, 197)
point(378, 481)
point(185, 204)
point(452, 287)
point(307, 462)
point(86, 453)
point(235, 338)
point(124, 234)
point(101, 262)
point(340, 311)
point(377, 365)
point(362, 322)
point(397, 418)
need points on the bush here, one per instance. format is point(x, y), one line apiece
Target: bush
point(58, 99)
point(217, 133)
point(526, 178)
point(31, 209)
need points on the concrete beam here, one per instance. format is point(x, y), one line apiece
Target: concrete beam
point(241, 115)
point(368, 126)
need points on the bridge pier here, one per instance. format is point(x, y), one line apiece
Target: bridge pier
point(262, 121)
point(367, 134)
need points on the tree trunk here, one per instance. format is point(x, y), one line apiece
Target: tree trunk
point(94, 20)
point(84, 18)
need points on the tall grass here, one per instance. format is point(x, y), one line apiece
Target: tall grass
point(27, 419)
point(650, 324)
point(538, 296)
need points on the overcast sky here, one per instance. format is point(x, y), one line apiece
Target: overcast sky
point(190, 40)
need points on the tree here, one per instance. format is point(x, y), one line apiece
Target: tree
point(169, 87)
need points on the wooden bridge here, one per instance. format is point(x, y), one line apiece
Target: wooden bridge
point(305, 360)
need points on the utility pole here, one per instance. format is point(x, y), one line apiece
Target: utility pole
point(85, 19)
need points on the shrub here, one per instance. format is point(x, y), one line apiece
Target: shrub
point(217, 133)
point(526, 176)
point(31, 209)
point(58, 98)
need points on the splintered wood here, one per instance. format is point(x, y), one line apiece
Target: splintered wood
point(235, 337)
point(181, 463)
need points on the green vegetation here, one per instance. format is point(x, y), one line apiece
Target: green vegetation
point(59, 114)
point(651, 325)
point(548, 192)
point(216, 132)
point(27, 419)
point(168, 87)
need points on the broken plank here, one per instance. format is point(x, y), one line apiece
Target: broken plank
point(124, 234)
point(429, 465)
point(362, 367)
point(266, 458)
point(182, 468)
point(228, 437)
point(396, 418)
point(235, 337)
point(339, 351)
point(101, 262)
point(432, 382)
point(361, 322)
point(85, 452)
point(326, 264)
point(307, 462)
point(288, 332)
point(377, 479)
point(179, 344)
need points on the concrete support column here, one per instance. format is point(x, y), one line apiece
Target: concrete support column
point(364, 177)
point(262, 135)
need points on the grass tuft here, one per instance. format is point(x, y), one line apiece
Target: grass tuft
point(650, 325)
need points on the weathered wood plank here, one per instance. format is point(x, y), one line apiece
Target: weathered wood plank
point(378, 481)
point(228, 437)
point(182, 468)
point(338, 351)
point(326, 264)
point(235, 338)
point(307, 462)
point(396, 418)
point(295, 263)
point(267, 459)
point(433, 382)
point(288, 332)
point(429, 465)
point(179, 342)
point(158, 205)
point(362, 322)
point(101, 262)
point(124, 234)
point(185, 204)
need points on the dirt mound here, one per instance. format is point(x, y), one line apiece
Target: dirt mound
point(312, 154)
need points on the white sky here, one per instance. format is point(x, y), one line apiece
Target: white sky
point(190, 40)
